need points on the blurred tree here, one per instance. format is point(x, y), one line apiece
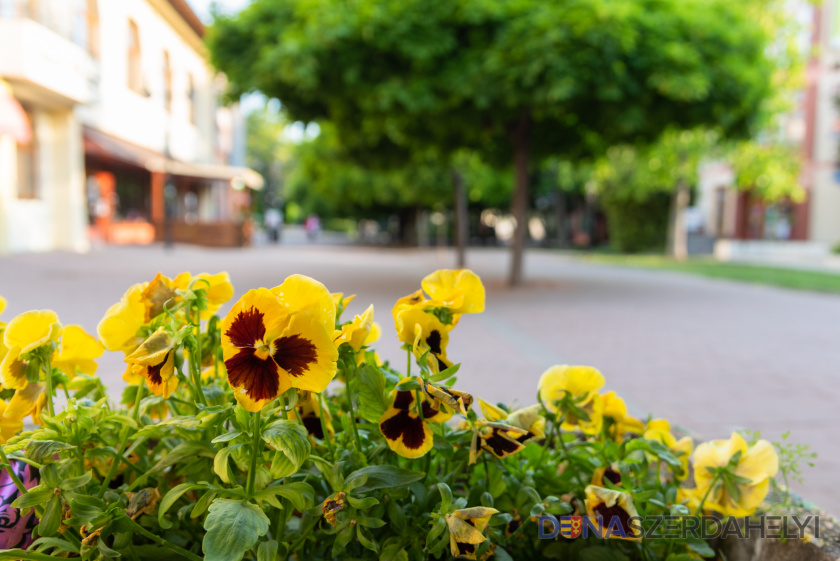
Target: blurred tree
point(269, 153)
point(515, 81)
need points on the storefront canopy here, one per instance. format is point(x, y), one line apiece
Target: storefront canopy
point(102, 145)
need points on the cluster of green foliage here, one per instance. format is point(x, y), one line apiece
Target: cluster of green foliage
point(513, 81)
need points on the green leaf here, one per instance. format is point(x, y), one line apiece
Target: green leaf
point(36, 496)
point(221, 463)
point(233, 527)
point(43, 451)
point(300, 494)
point(367, 541)
point(75, 482)
point(601, 553)
point(373, 400)
point(170, 498)
point(105, 550)
point(186, 450)
point(370, 522)
point(57, 544)
point(267, 551)
point(408, 386)
point(445, 497)
point(396, 516)
point(341, 540)
point(701, 547)
point(202, 504)
point(445, 374)
point(393, 552)
point(362, 503)
point(85, 506)
point(291, 439)
point(437, 529)
point(226, 436)
point(381, 477)
point(51, 519)
point(282, 466)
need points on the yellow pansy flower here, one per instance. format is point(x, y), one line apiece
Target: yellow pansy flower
point(495, 435)
point(27, 401)
point(580, 383)
point(466, 527)
point(308, 413)
point(356, 332)
point(609, 473)
point(160, 290)
point(757, 465)
point(407, 434)
point(24, 334)
point(77, 352)
point(299, 293)
point(611, 505)
point(660, 430)
point(615, 409)
point(425, 331)
point(461, 290)
point(270, 345)
point(414, 299)
point(118, 329)
point(154, 360)
point(218, 293)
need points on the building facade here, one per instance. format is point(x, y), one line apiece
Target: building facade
point(129, 143)
point(740, 218)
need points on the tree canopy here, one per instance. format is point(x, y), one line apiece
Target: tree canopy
point(514, 80)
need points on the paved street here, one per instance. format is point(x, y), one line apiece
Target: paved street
point(713, 356)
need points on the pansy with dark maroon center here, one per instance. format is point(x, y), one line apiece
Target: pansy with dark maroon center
point(255, 366)
point(404, 431)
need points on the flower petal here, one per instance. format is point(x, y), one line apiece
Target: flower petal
point(299, 293)
point(255, 381)
point(118, 328)
point(306, 352)
point(405, 434)
point(31, 330)
point(459, 290)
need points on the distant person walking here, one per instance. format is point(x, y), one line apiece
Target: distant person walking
point(274, 224)
point(312, 225)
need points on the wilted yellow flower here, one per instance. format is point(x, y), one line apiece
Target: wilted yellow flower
point(332, 506)
point(24, 334)
point(609, 473)
point(441, 396)
point(154, 360)
point(78, 351)
point(461, 290)
point(276, 339)
point(753, 468)
point(615, 409)
point(465, 530)
point(407, 434)
point(356, 332)
point(612, 505)
point(580, 383)
point(118, 329)
point(660, 430)
point(495, 435)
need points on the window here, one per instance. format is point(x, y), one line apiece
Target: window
point(191, 98)
point(167, 82)
point(27, 165)
point(135, 78)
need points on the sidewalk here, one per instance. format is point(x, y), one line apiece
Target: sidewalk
point(713, 356)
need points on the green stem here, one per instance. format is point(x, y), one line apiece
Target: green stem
point(15, 479)
point(706, 495)
point(327, 436)
point(486, 472)
point(408, 363)
point(162, 542)
point(255, 454)
point(347, 379)
point(195, 361)
point(48, 371)
point(118, 458)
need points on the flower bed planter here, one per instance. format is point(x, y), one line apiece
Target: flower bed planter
point(277, 433)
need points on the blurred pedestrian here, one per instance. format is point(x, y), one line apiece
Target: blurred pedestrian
point(312, 225)
point(273, 223)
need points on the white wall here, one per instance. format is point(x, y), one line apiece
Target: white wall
point(142, 120)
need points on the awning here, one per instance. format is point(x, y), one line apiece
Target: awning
point(100, 144)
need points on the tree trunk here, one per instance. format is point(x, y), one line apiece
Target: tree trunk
point(520, 137)
point(677, 234)
point(461, 220)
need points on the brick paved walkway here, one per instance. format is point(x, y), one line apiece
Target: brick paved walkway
point(714, 356)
